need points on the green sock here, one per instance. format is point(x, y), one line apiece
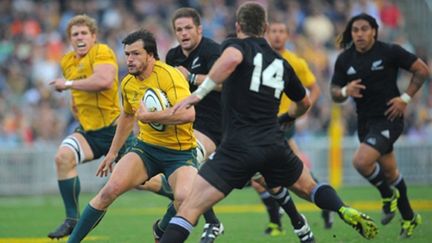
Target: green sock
point(70, 190)
point(89, 219)
point(165, 190)
point(171, 212)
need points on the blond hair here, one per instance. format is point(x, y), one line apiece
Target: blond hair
point(82, 19)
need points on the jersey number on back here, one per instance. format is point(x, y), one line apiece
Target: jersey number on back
point(271, 76)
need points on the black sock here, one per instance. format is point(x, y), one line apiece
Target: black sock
point(272, 207)
point(285, 201)
point(177, 231)
point(403, 202)
point(210, 217)
point(324, 212)
point(377, 179)
point(325, 197)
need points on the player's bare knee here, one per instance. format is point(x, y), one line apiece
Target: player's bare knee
point(109, 193)
point(179, 198)
point(362, 165)
point(391, 175)
point(64, 160)
point(304, 186)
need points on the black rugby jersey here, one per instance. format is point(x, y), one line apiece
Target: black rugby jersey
point(251, 94)
point(378, 70)
point(200, 60)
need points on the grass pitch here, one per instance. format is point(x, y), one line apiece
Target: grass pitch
point(29, 219)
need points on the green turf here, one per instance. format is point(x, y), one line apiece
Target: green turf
point(129, 219)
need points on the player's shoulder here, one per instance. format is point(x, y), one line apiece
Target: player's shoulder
point(388, 47)
point(244, 44)
point(346, 54)
point(161, 66)
point(127, 80)
point(67, 57)
point(166, 71)
point(173, 52)
point(101, 48)
point(291, 57)
point(207, 42)
point(231, 41)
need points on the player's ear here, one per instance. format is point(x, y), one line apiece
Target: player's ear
point(266, 28)
point(200, 29)
point(237, 26)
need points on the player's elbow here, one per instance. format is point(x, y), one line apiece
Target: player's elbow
point(425, 73)
point(190, 116)
point(106, 85)
point(421, 69)
point(306, 103)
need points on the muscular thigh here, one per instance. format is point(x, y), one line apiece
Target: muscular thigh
point(181, 182)
point(129, 172)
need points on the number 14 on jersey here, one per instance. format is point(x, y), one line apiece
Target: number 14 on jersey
point(271, 76)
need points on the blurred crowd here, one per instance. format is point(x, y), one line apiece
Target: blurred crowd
point(33, 40)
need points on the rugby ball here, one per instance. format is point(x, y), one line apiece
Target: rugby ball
point(155, 100)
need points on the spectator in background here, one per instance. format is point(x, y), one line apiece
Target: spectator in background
point(52, 18)
point(365, 6)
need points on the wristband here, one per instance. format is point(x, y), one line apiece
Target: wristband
point(206, 87)
point(68, 84)
point(192, 78)
point(406, 98)
point(285, 118)
point(344, 92)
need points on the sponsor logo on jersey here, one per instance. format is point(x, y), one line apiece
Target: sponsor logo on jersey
point(386, 133)
point(351, 71)
point(371, 141)
point(377, 65)
point(195, 64)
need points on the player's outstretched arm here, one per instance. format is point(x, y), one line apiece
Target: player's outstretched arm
point(124, 128)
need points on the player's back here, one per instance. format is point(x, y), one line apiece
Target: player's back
point(251, 94)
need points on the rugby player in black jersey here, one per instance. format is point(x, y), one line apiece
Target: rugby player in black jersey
point(367, 71)
point(254, 77)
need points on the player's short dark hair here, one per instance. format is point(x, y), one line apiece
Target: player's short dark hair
point(345, 38)
point(186, 13)
point(252, 19)
point(147, 38)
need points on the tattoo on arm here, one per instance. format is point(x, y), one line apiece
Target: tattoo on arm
point(336, 94)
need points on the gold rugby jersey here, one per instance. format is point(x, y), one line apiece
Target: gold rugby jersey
point(172, 82)
point(93, 109)
point(303, 72)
